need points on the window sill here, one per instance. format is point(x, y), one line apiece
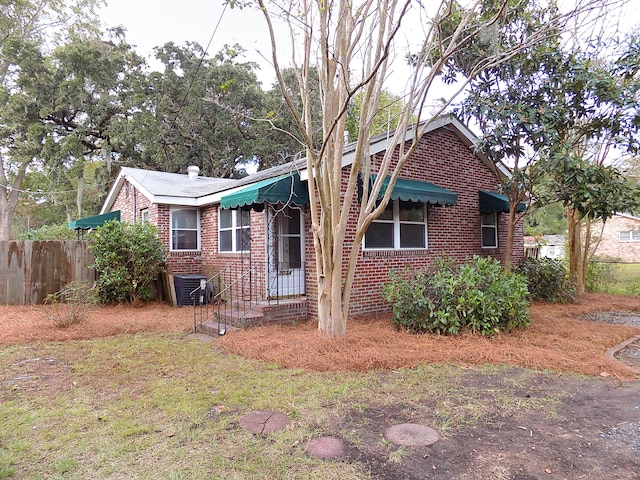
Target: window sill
point(396, 253)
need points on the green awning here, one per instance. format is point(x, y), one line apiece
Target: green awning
point(496, 202)
point(416, 191)
point(286, 189)
point(96, 221)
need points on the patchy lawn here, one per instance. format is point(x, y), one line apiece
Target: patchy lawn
point(126, 394)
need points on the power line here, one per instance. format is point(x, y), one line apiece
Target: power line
point(195, 74)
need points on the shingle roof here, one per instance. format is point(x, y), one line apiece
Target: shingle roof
point(177, 184)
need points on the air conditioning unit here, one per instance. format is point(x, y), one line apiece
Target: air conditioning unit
point(185, 284)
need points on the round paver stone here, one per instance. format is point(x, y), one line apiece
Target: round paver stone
point(412, 435)
point(325, 448)
point(265, 422)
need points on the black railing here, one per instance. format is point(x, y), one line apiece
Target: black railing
point(232, 296)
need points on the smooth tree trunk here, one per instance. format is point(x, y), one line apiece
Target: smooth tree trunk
point(576, 263)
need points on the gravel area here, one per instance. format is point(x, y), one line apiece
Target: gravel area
point(631, 353)
point(618, 318)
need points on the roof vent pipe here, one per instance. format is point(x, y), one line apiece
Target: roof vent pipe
point(193, 171)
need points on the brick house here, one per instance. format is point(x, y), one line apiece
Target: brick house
point(620, 238)
point(445, 203)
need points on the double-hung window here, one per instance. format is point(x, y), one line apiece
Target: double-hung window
point(402, 225)
point(185, 229)
point(234, 230)
point(629, 236)
point(490, 230)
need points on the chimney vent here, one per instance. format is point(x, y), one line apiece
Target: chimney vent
point(193, 171)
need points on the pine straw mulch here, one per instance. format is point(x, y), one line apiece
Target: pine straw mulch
point(557, 339)
point(31, 324)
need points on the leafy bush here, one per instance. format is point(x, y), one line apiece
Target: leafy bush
point(50, 232)
point(448, 299)
point(600, 274)
point(633, 288)
point(547, 279)
point(127, 259)
point(71, 304)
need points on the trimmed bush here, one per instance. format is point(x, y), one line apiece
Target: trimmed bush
point(547, 279)
point(127, 259)
point(449, 299)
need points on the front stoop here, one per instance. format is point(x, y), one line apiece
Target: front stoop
point(287, 310)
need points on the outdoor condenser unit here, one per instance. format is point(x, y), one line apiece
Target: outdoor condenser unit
point(185, 284)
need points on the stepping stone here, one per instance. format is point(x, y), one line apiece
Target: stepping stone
point(325, 448)
point(412, 435)
point(265, 422)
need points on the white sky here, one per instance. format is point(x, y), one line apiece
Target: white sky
point(151, 23)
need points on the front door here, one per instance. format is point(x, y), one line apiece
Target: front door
point(285, 250)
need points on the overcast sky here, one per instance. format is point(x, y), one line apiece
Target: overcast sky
point(151, 23)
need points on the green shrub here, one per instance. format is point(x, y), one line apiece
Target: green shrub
point(600, 274)
point(633, 288)
point(50, 232)
point(71, 304)
point(448, 299)
point(127, 259)
point(547, 279)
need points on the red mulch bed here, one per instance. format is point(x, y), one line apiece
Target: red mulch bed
point(557, 338)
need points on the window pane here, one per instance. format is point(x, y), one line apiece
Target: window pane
point(489, 237)
point(290, 255)
point(379, 235)
point(184, 219)
point(244, 219)
point(292, 224)
point(388, 212)
point(412, 236)
point(489, 219)
point(411, 212)
point(185, 240)
point(243, 239)
point(225, 241)
point(225, 218)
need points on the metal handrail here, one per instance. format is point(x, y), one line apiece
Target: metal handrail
point(234, 296)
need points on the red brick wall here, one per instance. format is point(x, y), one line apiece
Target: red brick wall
point(452, 231)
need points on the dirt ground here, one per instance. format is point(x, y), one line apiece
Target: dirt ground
point(593, 431)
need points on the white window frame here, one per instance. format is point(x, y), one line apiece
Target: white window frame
point(144, 215)
point(172, 211)
point(629, 236)
point(234, 228)
point(493, 226)
point(396, 229)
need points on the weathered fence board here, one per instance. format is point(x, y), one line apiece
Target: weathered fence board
point(31, 270)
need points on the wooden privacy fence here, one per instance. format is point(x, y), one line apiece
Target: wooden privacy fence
point(31, 270)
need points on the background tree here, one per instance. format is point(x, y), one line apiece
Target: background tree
point(29, 30)
point(598, 112)
point(351, 46)
point(197, 111)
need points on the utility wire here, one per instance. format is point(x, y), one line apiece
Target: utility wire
point(195, 74)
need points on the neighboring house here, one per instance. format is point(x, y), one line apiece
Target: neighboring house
point(444, 204)
point(553, 246)
point(620, 238)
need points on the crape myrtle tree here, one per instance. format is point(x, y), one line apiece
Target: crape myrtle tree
point(352, 45)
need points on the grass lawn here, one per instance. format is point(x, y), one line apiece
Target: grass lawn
point(625, 275)
point(168, 406)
